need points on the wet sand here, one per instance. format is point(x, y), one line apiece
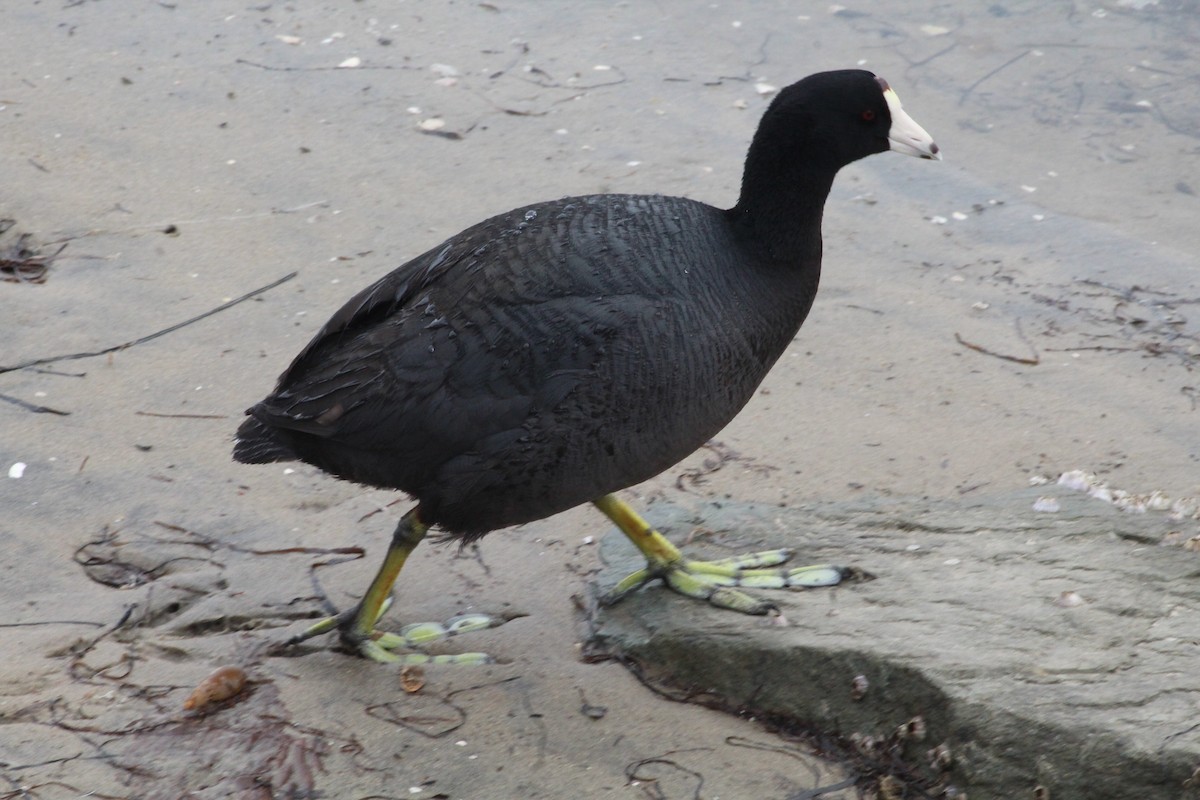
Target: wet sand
point(1025, 307)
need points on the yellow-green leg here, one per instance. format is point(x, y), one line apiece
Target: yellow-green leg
point(714, 581)
point(356, 626)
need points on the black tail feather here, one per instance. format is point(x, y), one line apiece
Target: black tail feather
point(257, 444)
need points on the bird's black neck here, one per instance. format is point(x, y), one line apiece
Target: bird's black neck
point(783, 196)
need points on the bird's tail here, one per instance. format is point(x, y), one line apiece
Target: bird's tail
point(257, 443)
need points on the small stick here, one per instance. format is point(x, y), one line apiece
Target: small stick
point(144, 339)
point(1033, 361)
point(32, 406)
point(967, 92)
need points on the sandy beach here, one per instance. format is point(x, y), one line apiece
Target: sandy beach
point(1026, 307)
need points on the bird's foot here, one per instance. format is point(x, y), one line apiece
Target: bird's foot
point(378, 645)
point(719, 581)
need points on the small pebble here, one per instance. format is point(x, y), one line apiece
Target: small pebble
point(16, 470)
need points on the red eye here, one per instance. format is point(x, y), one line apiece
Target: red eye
point(868, 115)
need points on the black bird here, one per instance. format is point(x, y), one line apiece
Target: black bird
point(565, 350)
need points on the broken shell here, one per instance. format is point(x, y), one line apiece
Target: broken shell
point(940, 758)
point(1046, 504)
point(350, 63)
point(913, 730)
point(1158, 501)
point(432, 124)
point(222, 684)
point(1077, 479)
point(412, 678)
point(1069, 599)
point(1131, 503)
point(1183, 507)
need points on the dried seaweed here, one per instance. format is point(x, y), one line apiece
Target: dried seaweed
point(23, 261)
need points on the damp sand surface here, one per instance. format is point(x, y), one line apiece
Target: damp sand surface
point(1026, 307)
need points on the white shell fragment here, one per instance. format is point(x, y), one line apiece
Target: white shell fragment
point(1046, 504)
point(1069, 599)
point(288, 39)
point(350, 63)
point(432, 124)
point(1158, 501)
point(444, 70)
point(1178, 509)
point(1077, 479)
point(765, 89)
point(16, 470)
point(1185, 507)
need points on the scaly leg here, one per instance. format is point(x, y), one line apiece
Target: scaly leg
point(714, 581)
point(356, 626)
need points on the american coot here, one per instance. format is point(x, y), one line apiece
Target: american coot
point(555, 354)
